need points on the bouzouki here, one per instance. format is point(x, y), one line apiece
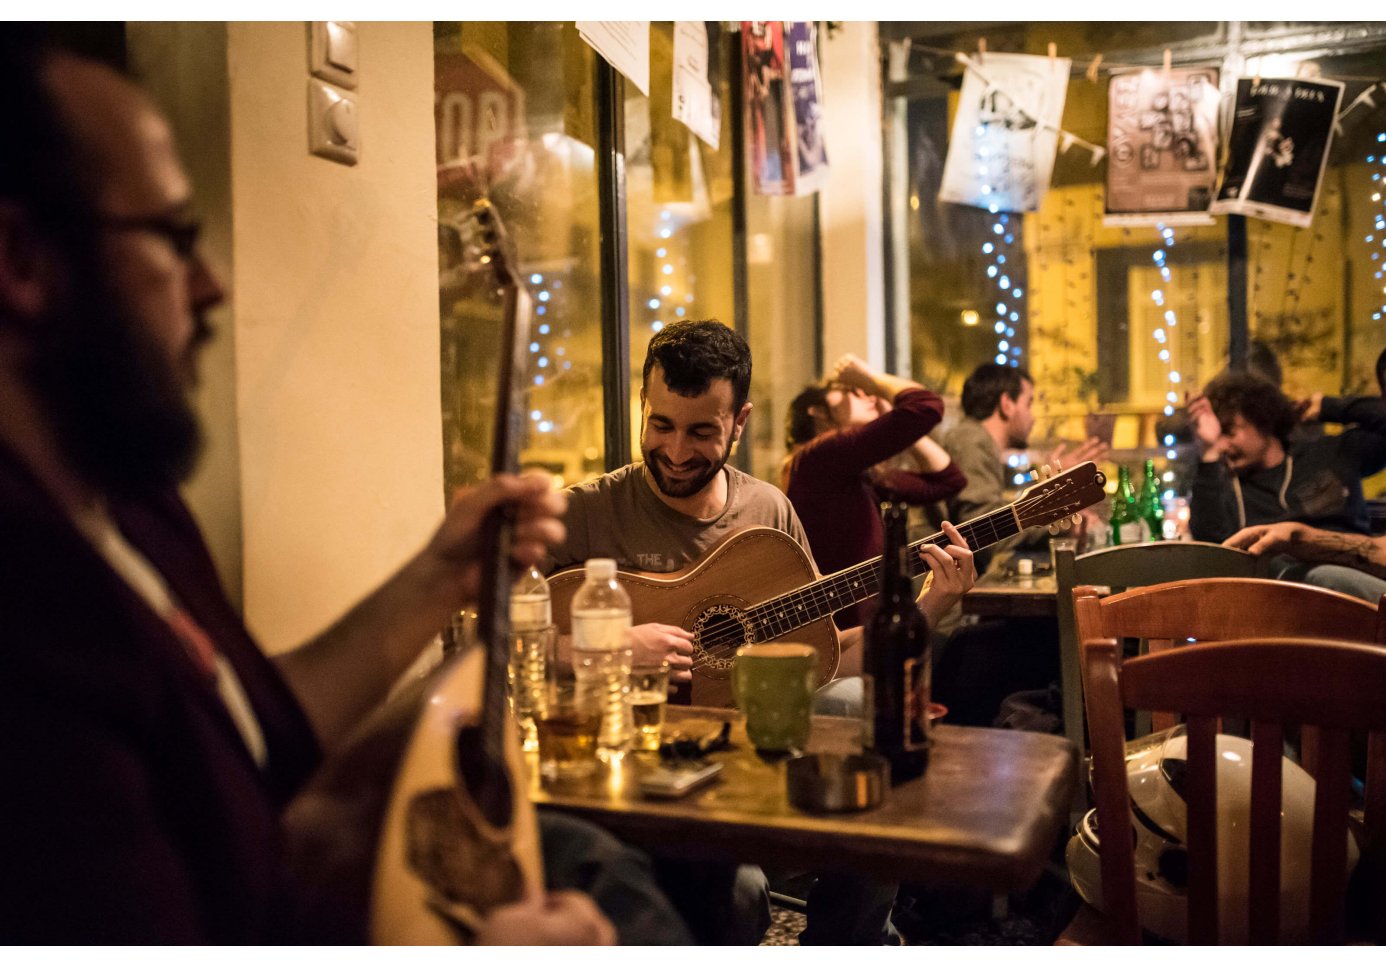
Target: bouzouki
point(759, 586)
point(422, 824)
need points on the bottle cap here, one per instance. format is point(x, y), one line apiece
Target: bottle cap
point(602, 569)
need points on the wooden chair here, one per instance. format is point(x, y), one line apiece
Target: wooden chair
point(1120, 568)
point(1215, 609)
point(1335, 686)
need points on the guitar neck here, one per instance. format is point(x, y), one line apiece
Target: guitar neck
point(803, 606)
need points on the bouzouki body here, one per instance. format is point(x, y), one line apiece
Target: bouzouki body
point(421, 824)
point(758, 585)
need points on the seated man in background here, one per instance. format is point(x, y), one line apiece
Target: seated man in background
point(151, 747)
point(996, 403)
point(986, 662)
point(839, 434)
point(1251, 473)
point(1368, 413)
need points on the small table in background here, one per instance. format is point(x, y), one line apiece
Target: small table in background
point(986, 812)
point(1002, 593)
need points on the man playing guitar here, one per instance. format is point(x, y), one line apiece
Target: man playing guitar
point(661, 514)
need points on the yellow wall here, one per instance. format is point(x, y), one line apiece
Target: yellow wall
point(336, 327)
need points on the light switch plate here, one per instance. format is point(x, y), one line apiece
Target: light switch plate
point(332, 51)
point(332, 124)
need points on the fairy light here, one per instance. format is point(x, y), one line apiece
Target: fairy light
point(1376, 235)
point(1009, 295)
point(545, 344)
point(1164, 334)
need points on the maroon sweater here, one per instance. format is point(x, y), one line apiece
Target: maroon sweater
point(827, 481)
point(131, 811)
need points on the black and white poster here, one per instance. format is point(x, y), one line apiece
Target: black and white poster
point(1162, 143)
point(1282, 129)
point(1006, 132)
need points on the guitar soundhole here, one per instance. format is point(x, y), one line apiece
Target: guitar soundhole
point(717, 634)
point(484, 777)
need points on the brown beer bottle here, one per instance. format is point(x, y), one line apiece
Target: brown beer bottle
point(897, 659)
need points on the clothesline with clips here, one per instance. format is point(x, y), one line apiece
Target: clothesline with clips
point(1068, 139)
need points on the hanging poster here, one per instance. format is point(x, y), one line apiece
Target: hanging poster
point(1282, 129)
point(806, 84)
point(624, 44)
point(768, 116)
point(1162, 139)
point(698, 78)
point(1001, 149)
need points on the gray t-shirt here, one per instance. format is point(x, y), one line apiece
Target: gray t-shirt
point(618, 516)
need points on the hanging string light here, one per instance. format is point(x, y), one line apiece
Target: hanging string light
point(1009, 294)
point(1166, 337)
point(546, 353)
point(1376, 234)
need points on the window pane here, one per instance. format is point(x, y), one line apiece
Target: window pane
point(514, 110)
point(679, 211)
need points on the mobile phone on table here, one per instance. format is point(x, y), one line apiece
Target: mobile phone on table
point(675, 781)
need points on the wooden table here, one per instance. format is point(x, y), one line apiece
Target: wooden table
point(985, 813)
point(1000, 593)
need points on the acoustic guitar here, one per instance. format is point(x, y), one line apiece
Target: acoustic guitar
point(759, 586)
point(422, 824)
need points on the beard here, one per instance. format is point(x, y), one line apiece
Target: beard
point(121, 413)
point(704, 471)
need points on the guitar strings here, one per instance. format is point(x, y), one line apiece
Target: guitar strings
point(722, 644)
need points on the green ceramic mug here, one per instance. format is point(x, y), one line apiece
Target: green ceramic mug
point(773, 685)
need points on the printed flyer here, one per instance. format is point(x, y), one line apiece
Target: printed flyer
point(1162, 142)
point(806, 83)
point(1001, 149)
point(1282, 129)
point(768, 116)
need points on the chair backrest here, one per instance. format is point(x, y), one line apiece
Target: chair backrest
point(1273, 683)
point(1119, 568)
point(1215, 609)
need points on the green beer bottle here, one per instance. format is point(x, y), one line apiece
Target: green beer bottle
point(1152, 511)
point(1127, 526)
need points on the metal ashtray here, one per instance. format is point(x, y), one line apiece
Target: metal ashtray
point(837, 782)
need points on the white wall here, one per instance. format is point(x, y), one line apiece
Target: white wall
point(337, 329)
point(851, 212)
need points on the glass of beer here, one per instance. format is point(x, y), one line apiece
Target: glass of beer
point(567, 726)
point(649, 692)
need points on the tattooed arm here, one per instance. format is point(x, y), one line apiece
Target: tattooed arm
point(1358, 551)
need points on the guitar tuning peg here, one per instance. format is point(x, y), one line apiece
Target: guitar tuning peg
point(1046, 472)
point(1077, 520)
point(1055, 527)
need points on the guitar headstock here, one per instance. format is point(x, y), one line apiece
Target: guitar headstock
point(1063, 494)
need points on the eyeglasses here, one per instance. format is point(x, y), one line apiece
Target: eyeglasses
point(182, 235)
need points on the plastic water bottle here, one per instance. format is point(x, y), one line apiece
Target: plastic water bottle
point(602, 653)
point(531, 641)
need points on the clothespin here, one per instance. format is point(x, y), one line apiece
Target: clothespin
point(1168, 60)
point(1092, 68)
point(981, 50)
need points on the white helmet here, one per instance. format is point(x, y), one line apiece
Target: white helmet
point(1155, 770)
